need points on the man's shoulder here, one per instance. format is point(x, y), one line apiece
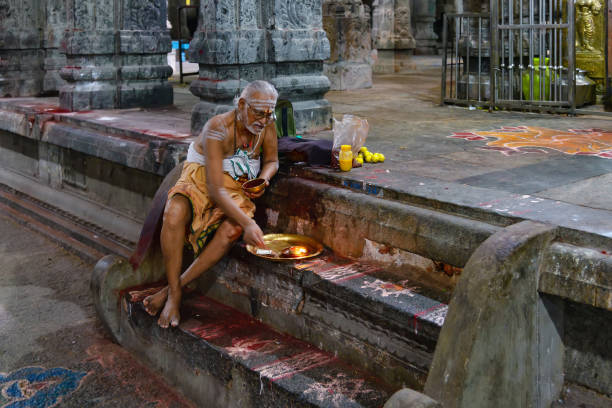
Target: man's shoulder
point(217, 126)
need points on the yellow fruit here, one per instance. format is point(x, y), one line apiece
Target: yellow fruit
point(375, 158)
point(368, 157)
point(363, 149)
point(359, 160)
point(381, 158)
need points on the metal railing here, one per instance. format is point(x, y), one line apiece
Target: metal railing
point(521, 55)
point(533, 54)
point(466, 69)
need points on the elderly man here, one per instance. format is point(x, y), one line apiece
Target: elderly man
point(207, 207)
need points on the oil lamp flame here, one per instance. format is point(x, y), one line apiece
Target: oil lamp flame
point(299, 250)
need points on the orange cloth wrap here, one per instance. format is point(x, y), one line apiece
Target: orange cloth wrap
point(206, 217)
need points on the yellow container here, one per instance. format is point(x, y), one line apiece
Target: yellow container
point(345, 158)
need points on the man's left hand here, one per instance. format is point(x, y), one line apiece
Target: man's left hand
point(259, 194)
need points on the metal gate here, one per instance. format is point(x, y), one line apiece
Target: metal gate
point(532, 54)
point(520, 55)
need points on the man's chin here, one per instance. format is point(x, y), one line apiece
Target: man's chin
point(255, 129)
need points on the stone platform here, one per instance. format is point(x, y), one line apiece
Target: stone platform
point(421, 218)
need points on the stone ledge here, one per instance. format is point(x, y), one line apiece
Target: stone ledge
point(332, 215)
point(579, 274)
point(222, 358)
point(473, 202)
point(105, 134)
point(377, 320)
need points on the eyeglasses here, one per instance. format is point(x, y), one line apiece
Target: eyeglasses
point(267, 116)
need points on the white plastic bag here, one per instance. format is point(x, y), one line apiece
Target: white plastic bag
point(353, 131)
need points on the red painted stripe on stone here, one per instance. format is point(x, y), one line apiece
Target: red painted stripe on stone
point(289, 366)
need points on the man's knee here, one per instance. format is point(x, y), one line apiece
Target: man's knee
point(177, 213)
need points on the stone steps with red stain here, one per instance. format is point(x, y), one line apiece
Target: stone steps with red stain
point(351, 309)
point(234, 356)
point(84, 239)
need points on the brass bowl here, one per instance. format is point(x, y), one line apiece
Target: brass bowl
point(254, 186)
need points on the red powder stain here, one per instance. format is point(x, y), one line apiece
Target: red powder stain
point(119, 367)
point(604, 252)
point(72, 67)
point(51, 109)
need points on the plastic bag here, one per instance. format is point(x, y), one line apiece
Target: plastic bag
point(353, 131)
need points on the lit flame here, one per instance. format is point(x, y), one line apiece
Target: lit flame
point(299, 250)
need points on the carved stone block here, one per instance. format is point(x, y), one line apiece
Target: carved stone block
point(54, 60)
point(347, 23)
point(21, 54)
point(282, 42)
point(392, 34)
point(116, 60)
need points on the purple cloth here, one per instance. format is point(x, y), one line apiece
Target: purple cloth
point(316, 152)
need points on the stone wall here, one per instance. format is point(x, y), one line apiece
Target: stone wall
point(21, 53)
point(281, 41)
point(55, 24)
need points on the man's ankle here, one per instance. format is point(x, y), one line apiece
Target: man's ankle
point(174, 291)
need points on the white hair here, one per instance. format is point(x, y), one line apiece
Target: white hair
point(260, 87)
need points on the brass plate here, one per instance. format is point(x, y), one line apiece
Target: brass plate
point(279, 242)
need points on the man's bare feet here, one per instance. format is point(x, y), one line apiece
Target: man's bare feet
point(154, 303)
point(170, 316)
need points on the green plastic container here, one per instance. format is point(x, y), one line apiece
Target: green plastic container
point(536, 81)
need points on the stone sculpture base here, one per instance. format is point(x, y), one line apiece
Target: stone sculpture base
point(594, 64)
point(308, 115)
point(346, 76)
point(392, 61)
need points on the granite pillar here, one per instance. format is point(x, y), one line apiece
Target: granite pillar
point(424, 17)
point(347, 24)
point(54, 59)
point(392, 35)
point(21, 53)
point(116, 55)
point(280, 41)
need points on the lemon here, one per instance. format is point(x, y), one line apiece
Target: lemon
point(375, 158)
point(381, 158)
point(359, 160)
point(368, 157)
point(363, 149)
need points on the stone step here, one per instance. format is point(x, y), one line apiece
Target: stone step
point(498, 208)
point(86, 240)
point(223, 358)
point(376, 319)
point(424, 245)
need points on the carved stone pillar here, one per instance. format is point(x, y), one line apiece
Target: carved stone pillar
point(424, 17)
point(280, 41)
point(347, 24)
point(55, 60)
point(392, 34)
point(116, 55)
point(21, 55)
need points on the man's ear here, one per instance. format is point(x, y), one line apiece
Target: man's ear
point(241, 103)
